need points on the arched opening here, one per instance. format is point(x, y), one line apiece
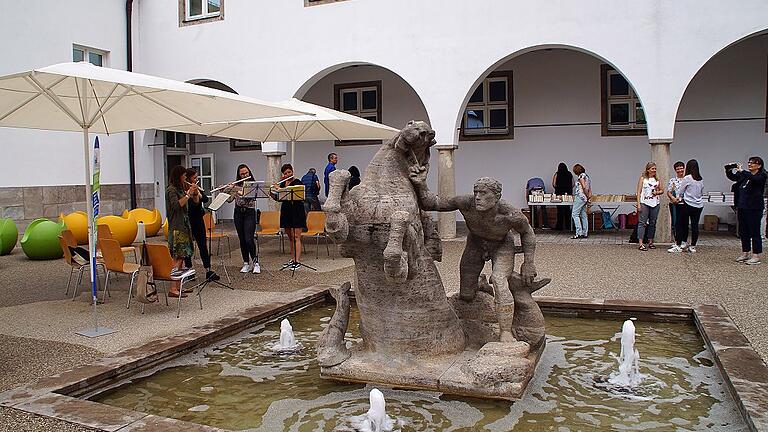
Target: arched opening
point(545, 105)
point(364, 89)
point(722, 115)
point(214, 158)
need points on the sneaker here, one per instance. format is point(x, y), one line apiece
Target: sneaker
point(683, 245)
point(246, 268)
point(753, 261)
point(742, 258)
point(288, 264)
point(295, 266)
point(692, 249)
point(256, 267)
point(675, 249)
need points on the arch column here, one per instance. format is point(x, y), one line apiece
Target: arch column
point(660, 155)
point(446, 187)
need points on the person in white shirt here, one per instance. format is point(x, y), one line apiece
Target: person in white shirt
point(689, 195)
point(672, 192)
point(648, 191)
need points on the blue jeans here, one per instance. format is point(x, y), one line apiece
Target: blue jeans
point(579, 216)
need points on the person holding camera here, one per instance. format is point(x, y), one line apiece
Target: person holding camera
point(750, 184)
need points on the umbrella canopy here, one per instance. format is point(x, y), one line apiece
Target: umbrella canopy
point(324, 124)
point(86, 98)
point(56, 98)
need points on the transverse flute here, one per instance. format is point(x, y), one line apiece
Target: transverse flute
point(198, 186)
point(226, 185)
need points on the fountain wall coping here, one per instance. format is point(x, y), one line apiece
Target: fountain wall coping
point(57, 396)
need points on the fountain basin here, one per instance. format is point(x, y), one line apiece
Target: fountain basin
point(742, 370)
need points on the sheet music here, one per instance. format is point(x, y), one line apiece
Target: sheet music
point(219, 201)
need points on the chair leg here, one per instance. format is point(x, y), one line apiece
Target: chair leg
point(69, 281)
point(317, 246)
point(77, 286)
point(181, 294)
point(229, 247)
point(327, 249)
point(106, 287)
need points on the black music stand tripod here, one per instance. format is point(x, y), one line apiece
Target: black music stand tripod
point(289, 194)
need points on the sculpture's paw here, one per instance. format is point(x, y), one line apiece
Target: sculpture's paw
point(396, 266)
point(340, 292)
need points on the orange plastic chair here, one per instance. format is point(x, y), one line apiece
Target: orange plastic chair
point(162, 269)
point(104, 232)
point(270, 226)
point(210, 232)
point(114, 261)
point(316, 228)
point(68, 240)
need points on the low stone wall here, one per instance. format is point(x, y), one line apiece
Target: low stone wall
point(27, 203)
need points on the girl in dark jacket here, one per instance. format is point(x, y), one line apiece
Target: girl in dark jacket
point(750, 184)
point(196, 207)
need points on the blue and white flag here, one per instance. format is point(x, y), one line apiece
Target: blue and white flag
point(95, 186)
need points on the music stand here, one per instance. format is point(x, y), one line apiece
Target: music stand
point(215, 205)
point(292, 193)
point(257, 189)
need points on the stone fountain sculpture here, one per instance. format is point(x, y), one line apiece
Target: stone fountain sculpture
point(482, 342)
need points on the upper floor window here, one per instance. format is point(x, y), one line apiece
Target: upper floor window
point(198, 11)
point(622, 113)
point(91, 55)
point(362, 99)
point(488, 113)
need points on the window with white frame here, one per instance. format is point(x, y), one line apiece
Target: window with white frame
point(488, 113)
point(202, 9)
point(362, 102)
point(622, 112)
point(91, 55)
point(362, 99)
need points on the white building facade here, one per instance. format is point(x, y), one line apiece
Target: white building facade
point(511, 88)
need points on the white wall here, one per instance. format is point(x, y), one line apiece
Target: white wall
point(270, 48)
point(37, 33)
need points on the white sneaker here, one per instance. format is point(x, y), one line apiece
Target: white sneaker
point(675, 249)
point(753, 261)
point(246, 268)
point(683, 246)
point(742, 258)
point(692, 249)
point(256, 267)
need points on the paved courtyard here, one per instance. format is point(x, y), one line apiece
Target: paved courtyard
point(38, 321)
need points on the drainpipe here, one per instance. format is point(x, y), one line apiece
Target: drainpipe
point(129, 67)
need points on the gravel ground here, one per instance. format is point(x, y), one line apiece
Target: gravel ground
point(40, 337)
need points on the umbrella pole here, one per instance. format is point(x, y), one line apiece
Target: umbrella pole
point(293, 154)
point(96, 332)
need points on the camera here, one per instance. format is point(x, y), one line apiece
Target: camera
point(731, 165)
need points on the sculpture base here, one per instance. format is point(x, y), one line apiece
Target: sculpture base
point(496, 371)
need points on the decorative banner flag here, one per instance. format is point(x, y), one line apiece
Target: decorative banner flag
point(95, 196)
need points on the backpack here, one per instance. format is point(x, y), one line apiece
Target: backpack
point(146, 290)
point(607, 222)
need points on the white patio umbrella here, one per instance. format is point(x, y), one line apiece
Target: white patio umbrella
point(86, 98)
point(324, 124)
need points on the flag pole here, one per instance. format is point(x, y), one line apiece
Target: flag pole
point(92, 205)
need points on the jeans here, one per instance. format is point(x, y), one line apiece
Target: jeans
point(749, 230)
point(579, 216)
point(245, 224)
point(647, 220)
point(685, 215)
point(198, 232)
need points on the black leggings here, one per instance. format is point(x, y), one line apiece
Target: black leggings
point(245, 224)
point(686, 214)
point(749, 230)
point(198, 232)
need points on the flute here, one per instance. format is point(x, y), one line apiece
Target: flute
point(234, 183)
point(285, 179)
point(198, 186)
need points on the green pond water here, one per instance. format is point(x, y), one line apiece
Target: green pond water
point(242, 384)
